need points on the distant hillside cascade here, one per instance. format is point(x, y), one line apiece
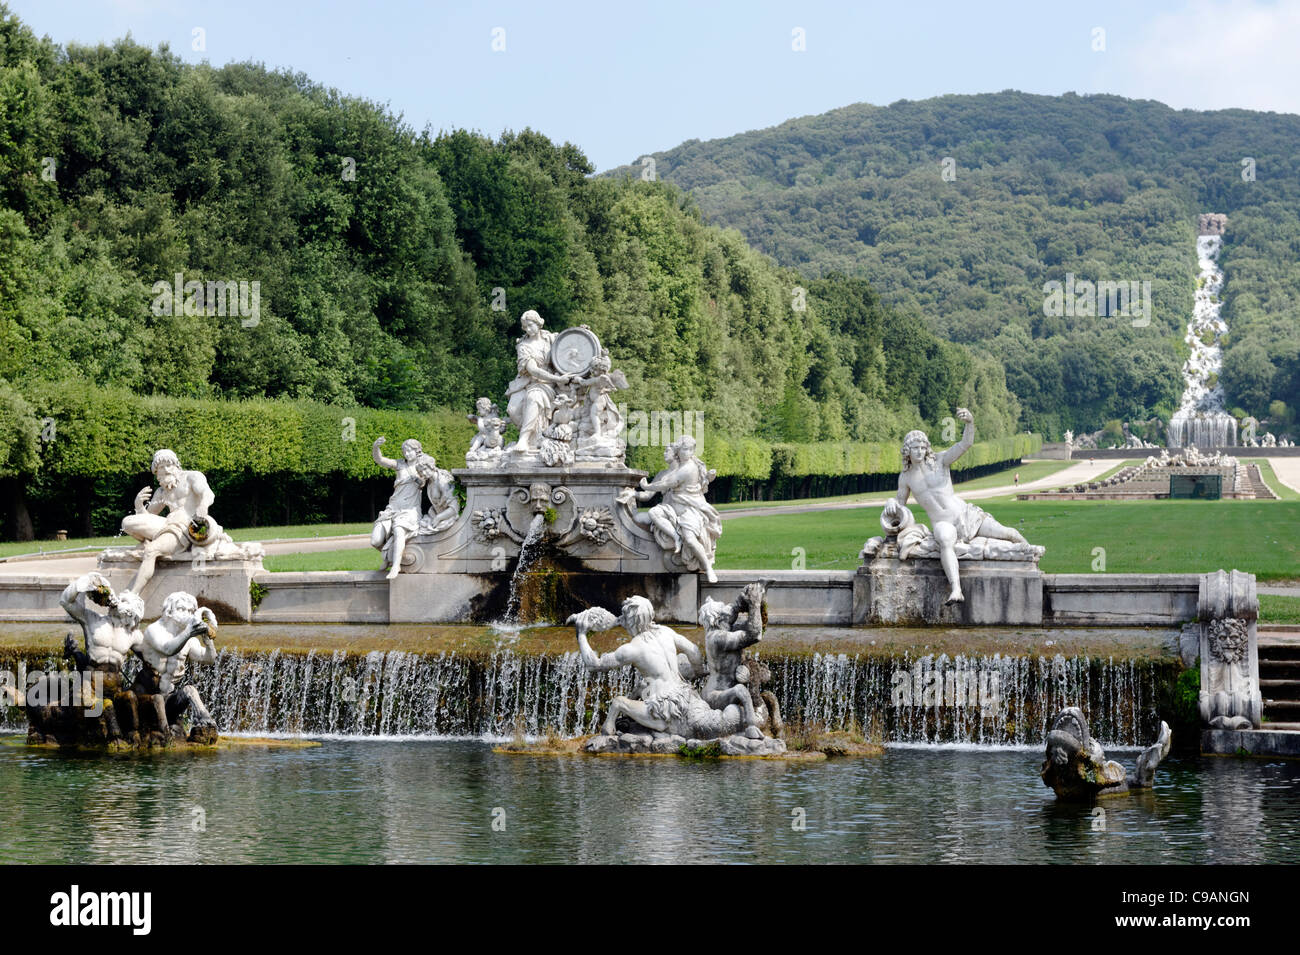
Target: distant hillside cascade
point(1201, 418)
point(960, 209)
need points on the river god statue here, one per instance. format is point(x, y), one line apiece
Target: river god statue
point(187, 531)
point(960, 529)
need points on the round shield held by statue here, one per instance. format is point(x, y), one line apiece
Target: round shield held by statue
point(573, 350)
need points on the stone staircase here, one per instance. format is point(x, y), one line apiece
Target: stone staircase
point(1253, 483)
point(1279, 678)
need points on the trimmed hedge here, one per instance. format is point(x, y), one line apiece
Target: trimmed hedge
point(104, 431)
point(305, 462)
point(101, 431)
point(756, 460)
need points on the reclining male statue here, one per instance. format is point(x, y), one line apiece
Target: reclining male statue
point(928, 476)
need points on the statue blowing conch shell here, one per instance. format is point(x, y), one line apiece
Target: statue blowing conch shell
point(667, 711)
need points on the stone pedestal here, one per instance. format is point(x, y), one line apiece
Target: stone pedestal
point(581, 519)
point(222, 585)
point(1228, 610)
point(912, 592)
point(583, 548)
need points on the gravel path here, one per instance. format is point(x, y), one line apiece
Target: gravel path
point(1287, 471)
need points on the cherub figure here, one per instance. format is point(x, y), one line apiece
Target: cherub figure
point(488, 442)
point(183, 634)
point(444, 506)
point(600, 417)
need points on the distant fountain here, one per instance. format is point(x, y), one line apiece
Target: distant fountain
point(1201, 419)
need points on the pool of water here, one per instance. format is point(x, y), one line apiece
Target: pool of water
point(437, 801)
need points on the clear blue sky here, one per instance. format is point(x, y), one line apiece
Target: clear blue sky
point(623, 78)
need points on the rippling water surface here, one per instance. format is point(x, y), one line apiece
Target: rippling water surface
point(426, 801)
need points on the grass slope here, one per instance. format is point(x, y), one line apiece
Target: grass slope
point(1166, 537)
point(1261, 537)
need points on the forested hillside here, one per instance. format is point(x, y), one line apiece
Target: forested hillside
point(390, 268)
point(1099, 186)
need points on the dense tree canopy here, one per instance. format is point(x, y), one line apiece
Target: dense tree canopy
point(391, 266)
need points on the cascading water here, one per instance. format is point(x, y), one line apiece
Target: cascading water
point(975, 699)
point(969, 699)
point(1201, 419)
point(528, 552)
point(398, 693)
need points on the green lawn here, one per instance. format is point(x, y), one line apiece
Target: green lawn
point(1261, 537)
point(11, 548)
point(1028, 471)
point(1166, 537)
point(1274, 608)
point(360, 558)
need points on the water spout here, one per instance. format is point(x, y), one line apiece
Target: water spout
point(528, 552)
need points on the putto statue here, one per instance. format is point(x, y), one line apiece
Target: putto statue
point(560, 402)
point(684, 523)
point(92, 705)
point(418, 475)
point(669, 708)
point(731, 676)
point(960, 529)
point(183, 634)
point(1076, 767)
point(488, 442)
point(187, 531)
